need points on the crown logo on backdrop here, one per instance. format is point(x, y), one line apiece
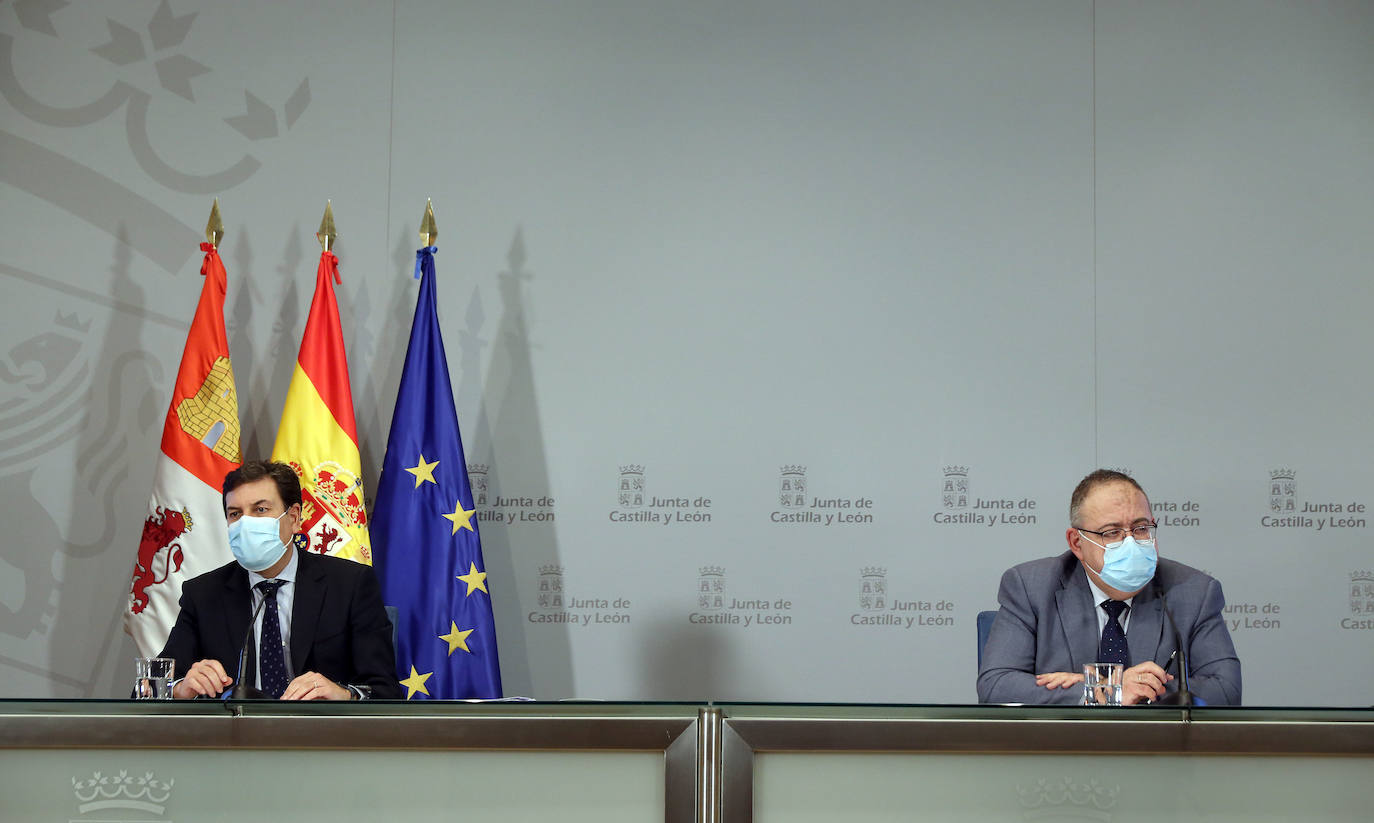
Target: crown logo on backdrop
point(956, 471)
point(550, 569)
point(1362, 592)
point(712, 571)
point(793, 470)
point(633, 468)
point(873, 571)
point(1065, 798)
point(477, 468)
point(122, 791)
point(1283, 474)
point(71, 321)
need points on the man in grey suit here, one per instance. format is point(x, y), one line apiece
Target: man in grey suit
point(1105, 598)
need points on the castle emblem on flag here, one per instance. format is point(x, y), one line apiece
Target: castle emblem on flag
point(631, 492)
point(477, 480)
point(792, 487)
point(954, 487)
point(711, 588)
point(1283, 491)
point(212, 414)
point(873, 589)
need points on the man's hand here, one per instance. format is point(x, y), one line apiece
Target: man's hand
point(313, 686)
point(1143, 683)
point(206, 677)
point(1058, 680)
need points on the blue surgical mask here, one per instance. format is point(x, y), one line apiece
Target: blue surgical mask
point(256, 541)
point(1126, 566)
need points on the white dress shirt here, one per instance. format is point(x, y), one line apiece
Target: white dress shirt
point(286, 597)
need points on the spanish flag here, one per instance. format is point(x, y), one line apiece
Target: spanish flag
point(318, 436)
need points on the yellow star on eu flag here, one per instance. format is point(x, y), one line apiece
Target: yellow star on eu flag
point(475, 579)
point(462, 518)
point(457, 639)
point(416, 683)
point(424, 473)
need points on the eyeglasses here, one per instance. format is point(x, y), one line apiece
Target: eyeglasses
point(1141, 532)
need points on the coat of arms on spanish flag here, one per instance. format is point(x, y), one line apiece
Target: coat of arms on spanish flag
point(185, 532)
point(318, 436)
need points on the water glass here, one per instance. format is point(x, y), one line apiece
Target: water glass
point(1102, 684)
point(153, 677)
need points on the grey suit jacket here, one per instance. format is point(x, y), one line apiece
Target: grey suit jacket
point(1048, 623)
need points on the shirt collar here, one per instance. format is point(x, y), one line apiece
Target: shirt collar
point(1098, 594)
point(287, 574)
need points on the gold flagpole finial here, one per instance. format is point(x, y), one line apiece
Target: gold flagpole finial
point(214, 228)
point(429, 232)
point(327, 234)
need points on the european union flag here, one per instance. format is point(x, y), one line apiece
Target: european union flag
point(426, 547)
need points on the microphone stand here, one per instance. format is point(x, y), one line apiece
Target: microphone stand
point(1182, 697)
point(242, 690)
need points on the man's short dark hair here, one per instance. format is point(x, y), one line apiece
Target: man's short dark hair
point(288, 484)
point(1101, 477)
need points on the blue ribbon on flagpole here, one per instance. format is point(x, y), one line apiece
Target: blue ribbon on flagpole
point(420, 256)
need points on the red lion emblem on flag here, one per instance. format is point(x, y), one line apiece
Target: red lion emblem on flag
point(160, 533)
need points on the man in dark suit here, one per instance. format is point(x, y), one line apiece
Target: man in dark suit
point(319, 627)
point(1103, 601)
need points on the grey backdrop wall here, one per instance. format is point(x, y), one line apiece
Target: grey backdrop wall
point(850, 294)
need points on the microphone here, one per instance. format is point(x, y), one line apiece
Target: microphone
point(1182, 697)
point(243, 690)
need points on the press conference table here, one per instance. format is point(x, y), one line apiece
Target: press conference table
point(108, 760)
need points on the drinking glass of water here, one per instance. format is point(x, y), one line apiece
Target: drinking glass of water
point(153, 677)
point(1102, 684)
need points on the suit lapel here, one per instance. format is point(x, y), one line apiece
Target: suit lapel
point(305, 611)
point(1145, 631)
point(237, 603)
point(1078, 617)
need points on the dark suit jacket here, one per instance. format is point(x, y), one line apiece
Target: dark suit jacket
point(338, 625)
point(1048, 623)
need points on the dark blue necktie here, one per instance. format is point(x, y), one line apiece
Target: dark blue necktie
point(271, 661)
point(1113, 648)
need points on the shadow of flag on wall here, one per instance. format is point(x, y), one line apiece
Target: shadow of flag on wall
point(426, 546)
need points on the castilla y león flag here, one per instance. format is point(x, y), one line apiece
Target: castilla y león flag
point(318, 436)
point(185, 532)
